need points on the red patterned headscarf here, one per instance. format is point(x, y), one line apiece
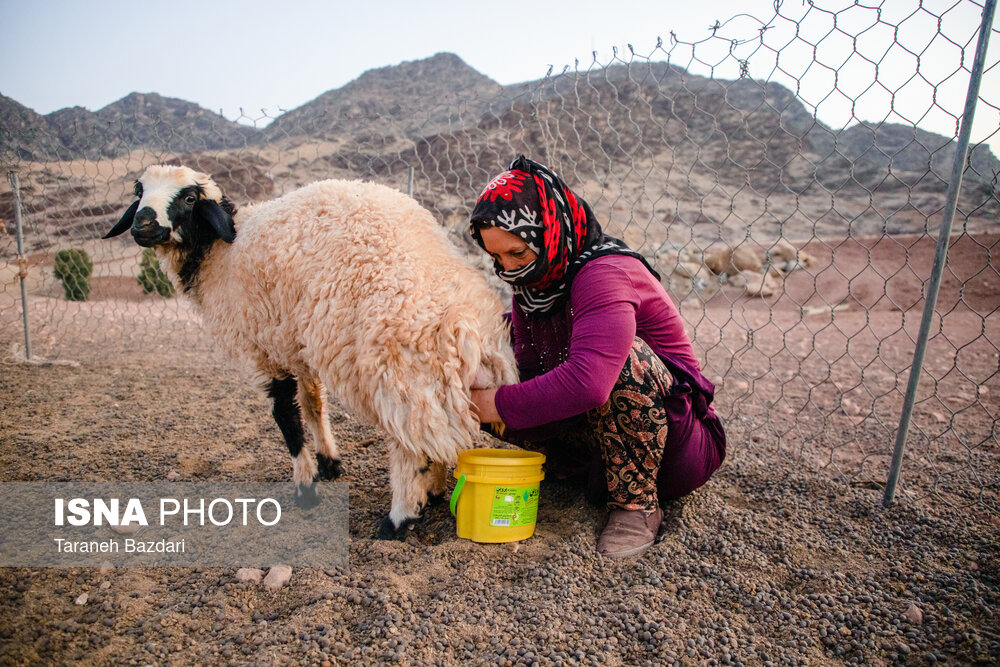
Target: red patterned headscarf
point(531, 202)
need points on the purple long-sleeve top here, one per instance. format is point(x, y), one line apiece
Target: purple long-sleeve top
point(569, 362)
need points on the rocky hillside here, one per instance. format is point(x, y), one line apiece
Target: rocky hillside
point(140, 120)
point(724, 158)
point(757, 126)
point(407, 100)
point(25, 134)
point(649, 144)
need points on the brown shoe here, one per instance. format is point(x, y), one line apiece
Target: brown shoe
point(629, 532)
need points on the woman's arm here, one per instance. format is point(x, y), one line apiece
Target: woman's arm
point(604, 304)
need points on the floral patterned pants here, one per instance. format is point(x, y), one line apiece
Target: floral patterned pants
point(631, 430)
point(617, 448)
point(645, 446)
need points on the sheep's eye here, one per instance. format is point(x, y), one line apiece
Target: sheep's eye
point(190, 199)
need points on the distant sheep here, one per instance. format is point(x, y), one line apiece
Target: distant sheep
point(787, 257)
point(343, 285)
point(759, 273)
point(730, 261)
point(755, 283)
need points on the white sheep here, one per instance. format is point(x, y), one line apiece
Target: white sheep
point(342, 285)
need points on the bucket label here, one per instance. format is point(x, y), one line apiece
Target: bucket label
point(514, 506)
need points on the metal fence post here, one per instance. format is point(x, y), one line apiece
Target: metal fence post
point(941, 253)
point(22, 263)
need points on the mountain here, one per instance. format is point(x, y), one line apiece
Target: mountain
point(377, 109)
point(903, 148)
point(651, 147)
point(411, 99)
point(140, 120)
point(144, 119)
point(24, 134)
point(650, 143)
point(756, 122)
point(731, 126)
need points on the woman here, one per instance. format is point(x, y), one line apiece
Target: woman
point(598, 343)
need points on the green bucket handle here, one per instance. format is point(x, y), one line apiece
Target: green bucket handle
point(454, 494)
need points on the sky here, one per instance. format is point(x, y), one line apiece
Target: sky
point(251, 59)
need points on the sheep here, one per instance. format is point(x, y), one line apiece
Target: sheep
point(755, 283)
point(787, 257)
point(723, 259)
point(340, 285)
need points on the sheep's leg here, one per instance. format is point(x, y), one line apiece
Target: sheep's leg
point(312, 400)
point(289, 419)
point(438, 486)
point(414, 481)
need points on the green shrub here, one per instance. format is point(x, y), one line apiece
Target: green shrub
point(73, 268)
point(151, 276)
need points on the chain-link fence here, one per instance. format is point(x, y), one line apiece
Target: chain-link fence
point(787, 177)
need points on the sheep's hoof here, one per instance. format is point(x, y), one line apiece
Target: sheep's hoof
point(388, 531)
point(306, 496)
point(329, 468)
point(432, 500)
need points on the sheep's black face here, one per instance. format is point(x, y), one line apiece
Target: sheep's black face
point(149, 231)
point(143, 217)
point(174, 207)
point(179, 213)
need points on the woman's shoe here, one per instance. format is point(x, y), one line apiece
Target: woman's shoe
point(629, 532)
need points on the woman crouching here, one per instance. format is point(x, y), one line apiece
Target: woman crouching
point(606, 367)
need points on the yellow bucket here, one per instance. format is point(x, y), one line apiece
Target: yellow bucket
point(496, 496)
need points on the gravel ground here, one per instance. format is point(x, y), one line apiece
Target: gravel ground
point(769, 563)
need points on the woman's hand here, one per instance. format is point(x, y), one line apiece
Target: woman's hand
point(484, 405)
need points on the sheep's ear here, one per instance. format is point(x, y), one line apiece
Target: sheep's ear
point(210, 212)
point(125, 222)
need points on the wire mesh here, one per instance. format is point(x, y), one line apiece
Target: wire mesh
point(782, 175)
